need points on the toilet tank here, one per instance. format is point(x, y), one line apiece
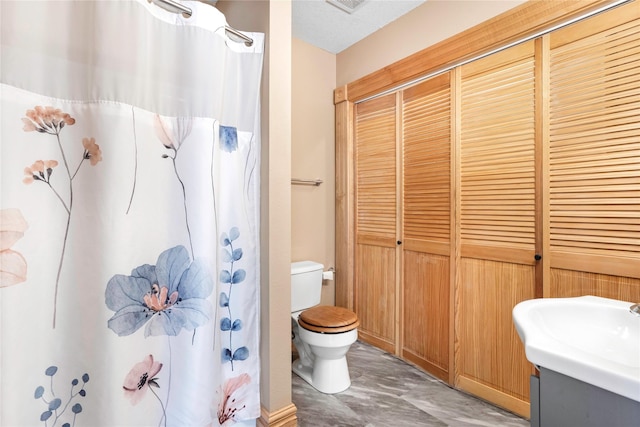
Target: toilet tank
point(306, 284)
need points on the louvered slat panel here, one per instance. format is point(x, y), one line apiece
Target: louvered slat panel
point(497, 164)
point(426, 161)
point(375, 153)
point(594, 149)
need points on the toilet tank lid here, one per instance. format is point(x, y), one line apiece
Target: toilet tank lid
point(305, 267)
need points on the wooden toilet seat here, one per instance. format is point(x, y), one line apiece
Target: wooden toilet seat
point(328, 319)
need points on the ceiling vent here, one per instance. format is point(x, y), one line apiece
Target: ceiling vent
point(348, 6)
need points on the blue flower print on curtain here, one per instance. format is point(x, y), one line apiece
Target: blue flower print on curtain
point(231, 255)
point(228, 138)
point(167, 297)
point(57, 407)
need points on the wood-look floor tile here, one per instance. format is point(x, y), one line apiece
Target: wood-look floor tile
point(388, 392)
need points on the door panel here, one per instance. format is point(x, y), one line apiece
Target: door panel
point(497, 223)
point(426, 224)
point(375, 221)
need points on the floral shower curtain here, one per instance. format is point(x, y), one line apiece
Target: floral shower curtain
point(129, 216)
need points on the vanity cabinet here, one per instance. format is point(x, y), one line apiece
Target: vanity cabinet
point(511, 177)
point(559, 400)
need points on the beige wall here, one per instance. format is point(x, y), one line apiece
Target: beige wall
point(274, 19)
point(433, 21)
point(313, 157)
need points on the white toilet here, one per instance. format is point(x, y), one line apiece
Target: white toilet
point(322, 334)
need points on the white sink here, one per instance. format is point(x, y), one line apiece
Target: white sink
point(592, 339)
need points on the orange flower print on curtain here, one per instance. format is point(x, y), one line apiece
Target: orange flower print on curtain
point(172, 135)
point(13, 266)
point(233, 399)
point(51, 121)
point(142, 377)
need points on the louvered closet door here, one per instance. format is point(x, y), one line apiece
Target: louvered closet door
point(426, 224)
point(375, 253)
point(594, 157)
point(497, 223)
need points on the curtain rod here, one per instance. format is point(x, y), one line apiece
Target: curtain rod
point(186, 12)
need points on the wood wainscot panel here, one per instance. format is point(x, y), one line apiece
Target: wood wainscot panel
point(568, 283)
point(375, 295)
point(490, 353)
point(426, 312)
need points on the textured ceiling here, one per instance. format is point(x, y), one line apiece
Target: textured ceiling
point(327, 27)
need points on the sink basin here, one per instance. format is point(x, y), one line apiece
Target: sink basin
point(592, 339)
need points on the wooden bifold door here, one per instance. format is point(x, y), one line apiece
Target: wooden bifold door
point(511, 177)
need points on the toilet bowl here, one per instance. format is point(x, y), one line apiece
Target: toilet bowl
point(322, 335)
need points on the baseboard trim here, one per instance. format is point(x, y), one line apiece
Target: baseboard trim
point(283, 417)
